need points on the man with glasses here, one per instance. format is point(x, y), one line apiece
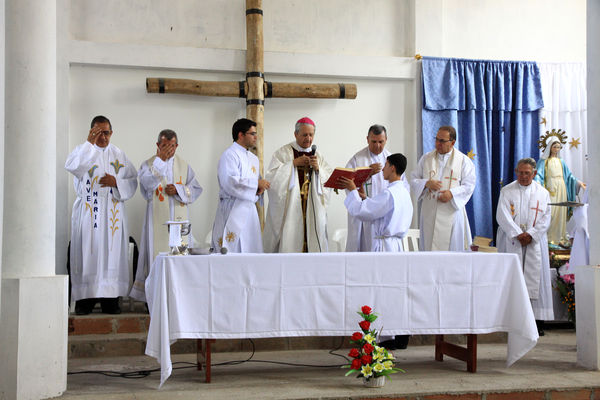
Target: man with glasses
point(443, 184)
point(523, 217)
point(169, 185)
point(104, 179)
point(237, 227)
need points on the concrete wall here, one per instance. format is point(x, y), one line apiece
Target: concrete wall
point(2, 102)
point(107, 49)
point(536, 30)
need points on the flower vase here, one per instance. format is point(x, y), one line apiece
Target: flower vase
point(374, 382)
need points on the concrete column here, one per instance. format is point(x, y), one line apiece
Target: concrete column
point(587, 278)
point(33, 314)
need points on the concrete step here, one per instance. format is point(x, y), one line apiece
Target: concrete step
point(103, 335)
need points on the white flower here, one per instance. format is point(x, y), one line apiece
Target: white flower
point(378, 367)
point(389, 355)
point(388, 364)
point(366, 370)
point(369, 338)
point(378, 355)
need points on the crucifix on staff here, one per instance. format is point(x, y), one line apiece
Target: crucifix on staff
point(254, 88)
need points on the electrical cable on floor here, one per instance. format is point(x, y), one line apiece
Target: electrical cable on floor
point(146, 372)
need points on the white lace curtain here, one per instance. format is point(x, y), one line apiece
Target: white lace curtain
point(565, 107)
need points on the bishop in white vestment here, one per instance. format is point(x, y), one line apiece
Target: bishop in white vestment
point(443, 184)
point(236, 226)
point(523, 217)
point(169, 185)
point(104, 179)
point(360, 233)
point(296, 217)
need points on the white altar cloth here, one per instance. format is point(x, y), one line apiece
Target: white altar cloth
point(284, 295)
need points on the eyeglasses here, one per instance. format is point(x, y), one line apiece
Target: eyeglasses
point(442, 140)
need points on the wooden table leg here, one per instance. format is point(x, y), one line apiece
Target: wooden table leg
point(468, 354)
point(204, 356)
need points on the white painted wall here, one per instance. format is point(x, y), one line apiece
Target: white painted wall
point(204, 126)
point(355, 27)
point(536, 30)
point(2, 103)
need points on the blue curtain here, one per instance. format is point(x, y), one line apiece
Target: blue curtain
point(494, 107)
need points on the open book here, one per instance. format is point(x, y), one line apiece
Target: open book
point(359, 175)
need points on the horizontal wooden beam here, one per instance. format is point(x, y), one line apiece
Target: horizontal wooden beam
point(240, 89)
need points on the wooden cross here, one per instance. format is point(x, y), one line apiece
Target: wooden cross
point(254, 89)
point(537, 210)
point(450, 179)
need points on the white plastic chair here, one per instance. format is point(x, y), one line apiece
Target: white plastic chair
point(338, 239)
point(410, 242)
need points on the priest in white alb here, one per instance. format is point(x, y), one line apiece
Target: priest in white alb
point(104, 179)
point(374, 156)
point(389, 213)
point(236, 226)
point(168, 184)
point(297, 212)
point(443, 184)
point(523, 217)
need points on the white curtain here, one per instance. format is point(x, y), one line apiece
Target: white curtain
point(565, 107)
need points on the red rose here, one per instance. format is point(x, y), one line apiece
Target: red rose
point(366, 310)
point(354, 353)
point(366, 359)
point(364, 325)
point(355, 364)
point(356, 336)
point(368, 348)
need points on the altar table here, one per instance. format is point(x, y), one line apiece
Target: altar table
point(284, 295)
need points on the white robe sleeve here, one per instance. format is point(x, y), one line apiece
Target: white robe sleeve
point(503, 217)
point(542, 223)
point(126, 181)
point(189, 192)
point(319, 179)
point(81, 159)
point(232, 182)
point(462, 193)
point(150, 177)
point(417, 182)
point(371, 208)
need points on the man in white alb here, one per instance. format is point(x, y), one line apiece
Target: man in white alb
point(374, 156)
point(390, 213)
point(296, 217)
point(169, 185)
point(443, 184)
point(523, 217)
point(236, 226)
point(104, 179)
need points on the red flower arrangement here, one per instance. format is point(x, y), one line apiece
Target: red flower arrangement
point(369, 360)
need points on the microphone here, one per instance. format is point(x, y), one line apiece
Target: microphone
point(314, 152)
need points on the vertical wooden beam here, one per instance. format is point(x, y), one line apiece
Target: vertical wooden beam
point(255, 97)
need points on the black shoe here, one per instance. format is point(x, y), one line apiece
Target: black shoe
point(110, 305)
point(84, 306)
point(540, 327)
point(400, 342)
